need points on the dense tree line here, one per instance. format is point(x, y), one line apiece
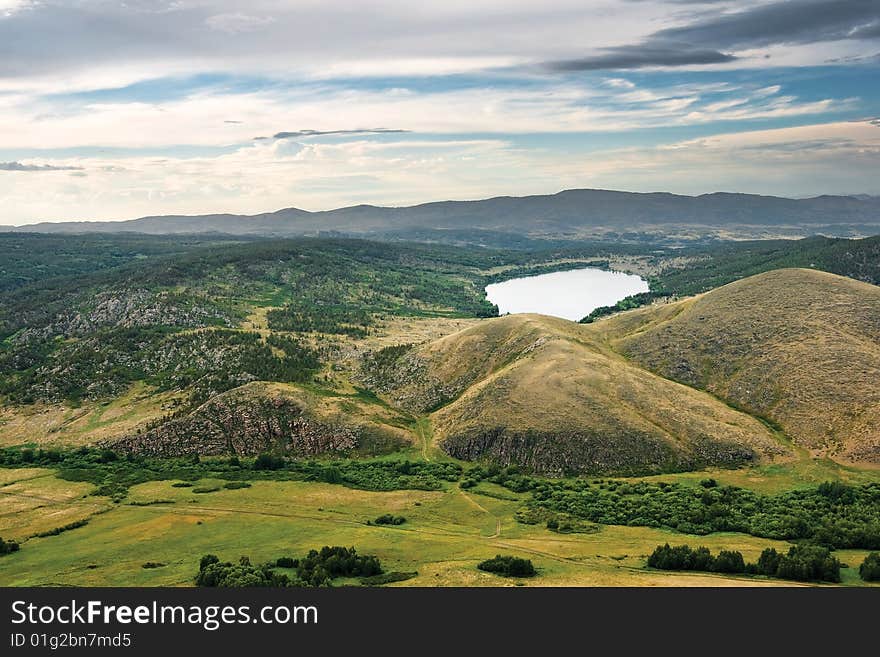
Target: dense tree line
point(806, 563)
point(729, 261)
point(113, 474)
point(833, 514)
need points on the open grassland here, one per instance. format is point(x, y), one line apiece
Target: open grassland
point(445, 535)
point(33, 501)
point(85, 424)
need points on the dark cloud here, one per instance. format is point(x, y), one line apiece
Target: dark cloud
point(315, 133)
point(801, 21)
point(703, 41)
point(640, 56)
point(18, 166)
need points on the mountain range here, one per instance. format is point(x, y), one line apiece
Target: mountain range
point(568, 212)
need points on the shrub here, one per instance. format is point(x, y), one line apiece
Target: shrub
point(64, 528)
point(234, 485)
point(286, 562)
point(389, 519)
point(267, 461)
point(869, 571)
point(507, 566)
point(8, 547)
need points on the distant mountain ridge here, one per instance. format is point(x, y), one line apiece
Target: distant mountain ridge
point(568, 211)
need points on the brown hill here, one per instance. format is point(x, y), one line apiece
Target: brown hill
point(797, 346)
point(542, 393)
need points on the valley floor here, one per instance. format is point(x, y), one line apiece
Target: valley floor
point(445, 535)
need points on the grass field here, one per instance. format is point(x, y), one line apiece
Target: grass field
point(446, 533)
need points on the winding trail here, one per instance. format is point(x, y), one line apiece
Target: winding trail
point(479, 506)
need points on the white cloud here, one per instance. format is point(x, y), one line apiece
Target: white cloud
point(238, 22)
point(831, 158)
point(839, 157)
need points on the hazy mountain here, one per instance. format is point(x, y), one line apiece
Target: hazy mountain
point(566, 212)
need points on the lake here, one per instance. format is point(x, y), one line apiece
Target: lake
point(572, 294)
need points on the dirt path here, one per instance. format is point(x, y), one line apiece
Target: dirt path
point(479, 506)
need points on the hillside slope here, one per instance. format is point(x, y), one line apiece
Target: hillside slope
point(797, 346)
point(274, 417)
point(538, 392)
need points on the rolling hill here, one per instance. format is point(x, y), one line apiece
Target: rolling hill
point(799, 347)
point(567, 212)
point(539, 393)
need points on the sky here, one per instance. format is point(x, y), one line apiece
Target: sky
point(114, 109)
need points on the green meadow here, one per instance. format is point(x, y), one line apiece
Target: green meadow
point(446, 533)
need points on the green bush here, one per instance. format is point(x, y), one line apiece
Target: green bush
point(8, 547)
point(388, 519)
point(267, 461)
point(869, 571)
point(507, 566)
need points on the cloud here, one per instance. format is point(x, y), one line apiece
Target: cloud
point(640, 56)
point(703, 40)
point(237, 23)
point(316, 133)
point(18, 166)
point(786, 22)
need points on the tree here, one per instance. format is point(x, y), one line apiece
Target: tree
point(869, 571)
point(768, 562)
point(729, 561)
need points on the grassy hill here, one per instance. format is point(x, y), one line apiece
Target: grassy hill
point(540, 393)
point(799, 347)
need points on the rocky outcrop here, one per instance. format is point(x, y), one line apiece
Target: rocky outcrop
point(232, 424)
point(125, 308)
point(575, 453)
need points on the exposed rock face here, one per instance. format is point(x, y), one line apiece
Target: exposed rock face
point(410, 385)
point(570, 453)
point(124, 308)
point(228, 424)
